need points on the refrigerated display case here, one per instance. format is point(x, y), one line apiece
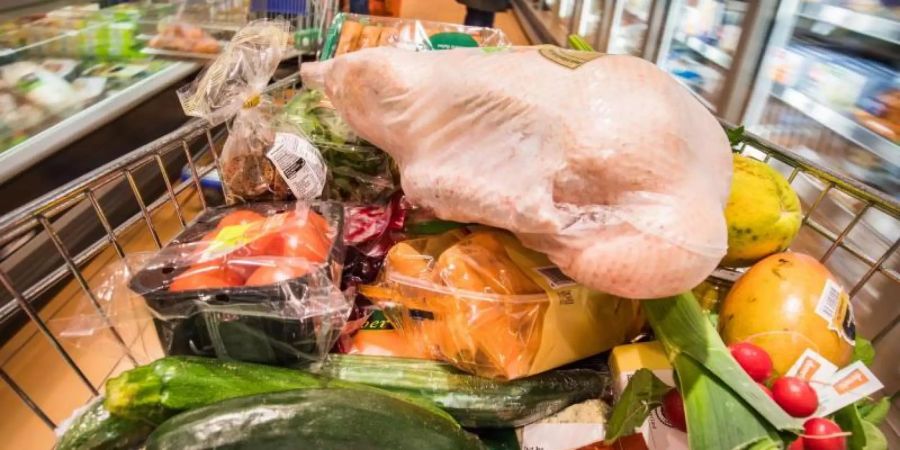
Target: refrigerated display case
point(829, 88)
point(548, 21)
point(635, 27)
point(713, 47)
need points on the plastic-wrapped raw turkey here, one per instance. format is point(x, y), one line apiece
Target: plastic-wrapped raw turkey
point(603, 162)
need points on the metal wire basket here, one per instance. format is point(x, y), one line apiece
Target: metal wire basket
point(853, 229)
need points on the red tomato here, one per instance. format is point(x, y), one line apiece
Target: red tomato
point(211, 274)
point(307, 239)
point(239, 217)
point(277, 273)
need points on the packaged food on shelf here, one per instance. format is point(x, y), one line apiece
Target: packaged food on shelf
point(352, 32)
point(491, 307)
point(185, 37)
point(257, 154)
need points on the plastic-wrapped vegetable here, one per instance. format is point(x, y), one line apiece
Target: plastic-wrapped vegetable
point(494, 308)
point(256, 283)
point(358, 171)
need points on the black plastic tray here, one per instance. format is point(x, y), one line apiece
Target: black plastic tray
point(241, 323)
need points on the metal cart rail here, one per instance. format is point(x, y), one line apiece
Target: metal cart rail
point(867, 236)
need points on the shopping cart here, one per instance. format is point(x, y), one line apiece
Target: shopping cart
point(850, 227)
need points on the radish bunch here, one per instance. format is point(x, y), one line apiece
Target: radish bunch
point(794, 395)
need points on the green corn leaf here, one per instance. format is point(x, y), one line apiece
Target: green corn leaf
point(684, 330)
point(643, 393)
point(863, 351)
point(436, 226)
point(767, 443)
point(716, 418)
point(875, 439)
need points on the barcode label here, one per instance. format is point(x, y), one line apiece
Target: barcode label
point(829, 302)
point(555, 277)
point(299, 163)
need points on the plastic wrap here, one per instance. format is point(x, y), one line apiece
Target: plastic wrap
point(352, 32)
point(491, 307)
point(358, 172)
point(603, 162)
point(256, 283)
point(232, 87)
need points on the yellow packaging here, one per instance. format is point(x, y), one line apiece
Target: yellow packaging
point(490, 306)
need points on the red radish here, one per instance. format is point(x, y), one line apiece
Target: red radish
point(795, 396)
point(823, 434)
point(753, 359)
point(766, 390)
point(673, 409)
point(797, 445)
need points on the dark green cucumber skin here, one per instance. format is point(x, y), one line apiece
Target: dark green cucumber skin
point(314, 419)
point(473, 401)
point(159, 390)
point(97, 429)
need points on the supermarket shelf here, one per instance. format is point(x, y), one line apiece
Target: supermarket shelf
point(839, 123)
point(873, 26)
point(696, 94)
point(56, 137)
point(709, 52)
point(639, 15)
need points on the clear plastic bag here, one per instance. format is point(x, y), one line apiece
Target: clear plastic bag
point(352, 32)
point(358, 172)
point(256, 283)
point(491, 307)
point(232, 87)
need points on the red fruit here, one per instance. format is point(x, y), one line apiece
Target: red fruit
point(766, 390)
point(753, 359)
point(797, 445)
point(823, 434)
point(795, 396)
point(270, 275)
point(206, 275)
point(239, 217)
point(673, 409)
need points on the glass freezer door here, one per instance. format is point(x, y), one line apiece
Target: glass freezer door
point(829, 88)
point(700, 45)
point(589, 19)
point(631, 23)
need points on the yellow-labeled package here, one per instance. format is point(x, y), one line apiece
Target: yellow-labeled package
point(491, 307)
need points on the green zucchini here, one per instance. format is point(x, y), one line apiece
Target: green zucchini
point(170, 385)
point(96, 429)
point(320, 419)
point(473, 401)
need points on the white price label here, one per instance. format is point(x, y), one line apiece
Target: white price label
point(300, 164)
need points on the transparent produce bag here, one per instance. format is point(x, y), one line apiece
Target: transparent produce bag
point(351, 32)
point(232, 87)
point(358, 172)
point(489, 306)
point(256, 283)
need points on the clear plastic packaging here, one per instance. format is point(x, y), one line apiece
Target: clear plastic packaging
point(255, 283)
point(491, 307)
point(351, 32)
point(232, 87)
point(602, 162)
point(358, 172)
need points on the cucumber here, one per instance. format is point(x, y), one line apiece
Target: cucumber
point(320, 419)
point(473, 401)
point(96, 429)
point(159, 390)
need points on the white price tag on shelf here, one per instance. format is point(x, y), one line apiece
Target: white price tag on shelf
point(300, 164)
